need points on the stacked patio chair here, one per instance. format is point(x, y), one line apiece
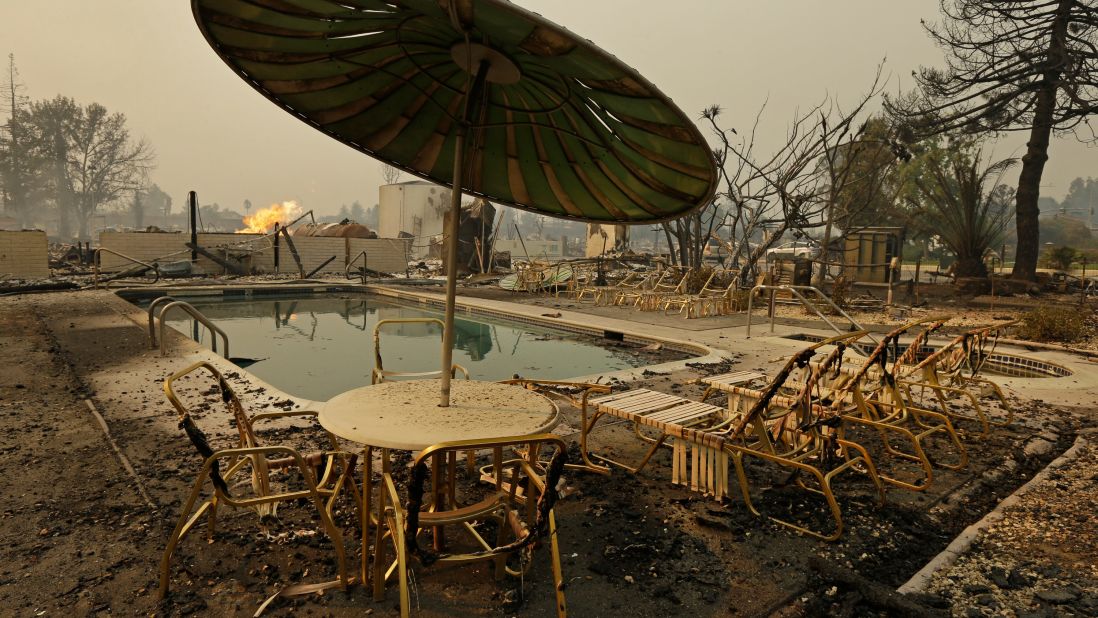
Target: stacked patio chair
point(783, 430)
point(252, 475)
point(865, 392)
point(952, 375)
point(705, 440)
point(848, 392)
point(601, 294)
point(711, 300)
point(522, 520)
point(793, 432)
point(674, 284)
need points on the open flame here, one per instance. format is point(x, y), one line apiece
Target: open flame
point(265, 218)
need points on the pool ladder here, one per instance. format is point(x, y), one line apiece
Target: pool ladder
point(795, 291)
point(170, 303)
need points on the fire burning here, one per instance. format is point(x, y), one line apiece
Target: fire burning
point(264, 219)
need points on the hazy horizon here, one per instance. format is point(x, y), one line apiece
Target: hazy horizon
point(212, 133)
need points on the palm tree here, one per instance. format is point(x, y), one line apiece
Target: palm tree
point(958, 199)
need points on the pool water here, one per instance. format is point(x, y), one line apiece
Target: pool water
point(319, 347)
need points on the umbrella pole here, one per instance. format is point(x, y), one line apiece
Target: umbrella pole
point(471, 97)
point(451, 267)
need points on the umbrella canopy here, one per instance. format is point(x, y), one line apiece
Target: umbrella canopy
point(561, 127)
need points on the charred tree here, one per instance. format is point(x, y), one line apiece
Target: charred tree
point(1011, 65)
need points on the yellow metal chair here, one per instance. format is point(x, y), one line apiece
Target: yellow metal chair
point(793, 433)
point(323, 475)
point(380, 374)
point(713, 299)
point(522, 518)
point(952, 374)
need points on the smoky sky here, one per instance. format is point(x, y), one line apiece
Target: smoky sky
point(214, 134)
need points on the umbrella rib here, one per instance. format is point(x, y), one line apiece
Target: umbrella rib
point(607, 145)
point(641, 175)
point(551, 177)
point(409, 82)
point(515, 180)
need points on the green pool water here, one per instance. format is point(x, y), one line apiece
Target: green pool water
point(319, 347)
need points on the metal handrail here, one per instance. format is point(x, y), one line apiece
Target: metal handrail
point(152, 317)
point(361, 254)
point(155, 266)
point(197, 315)
point(795, 291)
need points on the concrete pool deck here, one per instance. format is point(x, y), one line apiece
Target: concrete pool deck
point(102, 341)
point(765, 349)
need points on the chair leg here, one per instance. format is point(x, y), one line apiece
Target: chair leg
point(186, 522)
point(871, 469)
point(558, 574)
point(402, 565)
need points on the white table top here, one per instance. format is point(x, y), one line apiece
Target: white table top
point(405, 415)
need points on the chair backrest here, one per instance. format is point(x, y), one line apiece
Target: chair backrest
point(799, 360)
point(714, 286)
point(967, 351)
point(637, 281)
point(673, 280)
point(227, 395)
point(380, 374)
point(197, 437)
point(520, 466)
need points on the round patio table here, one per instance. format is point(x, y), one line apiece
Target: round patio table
point(405, 415)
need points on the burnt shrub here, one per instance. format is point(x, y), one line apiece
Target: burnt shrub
point(1061, 324)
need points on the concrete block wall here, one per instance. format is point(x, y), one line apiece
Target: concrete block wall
point(383, 254)
point(24, 254)
point(144, 246)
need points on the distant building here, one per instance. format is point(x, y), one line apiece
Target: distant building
point(415, 208)
point(602, 239)
point(545, 250)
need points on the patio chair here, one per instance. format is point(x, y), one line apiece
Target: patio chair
point(381, 374)
point(582, 277)
point(793, 433)
point(673, 285)
point(886, 404)
point(671, 281)
point(697, 457)
point(598, 293)
point(712, 299)
point(522, 521)
point(630, 291)
point(322, 476)
point(952, 373)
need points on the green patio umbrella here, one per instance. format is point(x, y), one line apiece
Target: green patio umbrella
point(479, 95)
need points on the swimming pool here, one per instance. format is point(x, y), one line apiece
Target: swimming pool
point(317, 347)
